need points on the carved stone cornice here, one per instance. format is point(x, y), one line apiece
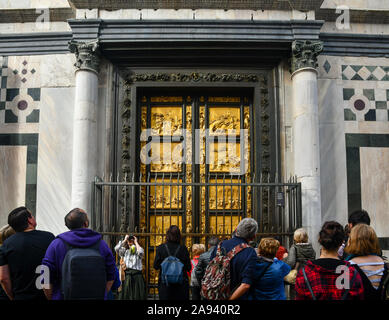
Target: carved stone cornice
point(192, 77)
point(87, 55)
point(304, 54)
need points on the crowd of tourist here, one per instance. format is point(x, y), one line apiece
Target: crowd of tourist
point(78, 264)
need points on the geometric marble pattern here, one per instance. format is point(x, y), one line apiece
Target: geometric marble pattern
point(21, 104)
point(327, 66)
point(354, 142)
point(366, 104)
point(365, 73)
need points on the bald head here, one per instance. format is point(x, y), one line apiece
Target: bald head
point(76, 219)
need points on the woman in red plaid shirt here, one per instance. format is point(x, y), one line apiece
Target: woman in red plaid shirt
point(329, 278)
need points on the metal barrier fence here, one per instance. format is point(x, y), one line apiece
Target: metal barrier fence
point(146, 207)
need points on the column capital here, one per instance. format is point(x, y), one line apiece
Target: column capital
point(304, 54)
point(87, 54)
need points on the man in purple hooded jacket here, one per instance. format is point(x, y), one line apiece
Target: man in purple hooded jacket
point(78, 236)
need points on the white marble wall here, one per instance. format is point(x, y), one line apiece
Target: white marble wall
point(55, 76)
point(332, 152)
point(333, 129)
point(55, 158)
point(28, 4)
point(332, 136)
point(13, 169)
point(357, 4)
point(375, 187)
point(197, 14)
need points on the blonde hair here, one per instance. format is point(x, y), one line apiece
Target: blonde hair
point(300, 236)
point(198, 248)
point(268, 247)
point(6, 232)
point(363, 241)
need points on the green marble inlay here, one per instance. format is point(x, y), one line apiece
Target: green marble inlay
point(381, 104)
point(35, 93)
point(11, 94)
point(367, 140)
point(369, 93)
point(32, 154)
point(31, 197)
point(3, 82)
point(348, 93)
point(357, 77)
point(371, 68)
point(33, 117)
point(372, 77)
point(31, 176)
point(356, 68)
point(353, 143)
point(10, 117)
point(349, 115)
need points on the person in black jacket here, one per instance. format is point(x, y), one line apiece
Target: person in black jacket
point(173, 291)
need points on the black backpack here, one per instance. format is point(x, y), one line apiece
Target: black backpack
point(83, 273)
point(384, 285)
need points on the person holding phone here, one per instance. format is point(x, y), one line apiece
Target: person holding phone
point(132, 253)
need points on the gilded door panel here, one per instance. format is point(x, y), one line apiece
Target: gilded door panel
point(166, 157)
point(166, 197)
point(219, 224)
point(218, 209)
point(224, 157)
point(226, 197)
point(166, 120)
point(224, 119)
point(159, 224)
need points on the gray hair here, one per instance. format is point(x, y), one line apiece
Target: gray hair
point(213, 241)
point(247, 228)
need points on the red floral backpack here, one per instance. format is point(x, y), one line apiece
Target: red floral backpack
point(215, 284)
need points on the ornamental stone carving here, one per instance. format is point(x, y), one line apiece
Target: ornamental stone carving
point(87, 55)
point(304, 54)
point(192, 77)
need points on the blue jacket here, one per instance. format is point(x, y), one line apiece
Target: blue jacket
point(269, 285)
point(242, 265)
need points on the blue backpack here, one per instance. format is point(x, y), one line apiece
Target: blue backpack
point(171, 269)
point(83, 273)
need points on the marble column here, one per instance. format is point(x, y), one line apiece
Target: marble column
point(306, 132)
point(84, 162)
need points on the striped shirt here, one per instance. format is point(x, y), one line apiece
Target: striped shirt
point(132, 260)
point(373, 275)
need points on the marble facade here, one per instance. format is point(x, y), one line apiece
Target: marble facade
point(40, 98)
point(13, 176)
point(347, 84)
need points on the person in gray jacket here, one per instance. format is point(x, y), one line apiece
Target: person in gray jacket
point(204, 259)
point(301, 251)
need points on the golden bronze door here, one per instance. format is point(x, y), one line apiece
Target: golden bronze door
point(195, 152)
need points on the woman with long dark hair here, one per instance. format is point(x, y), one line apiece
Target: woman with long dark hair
point(173, 247)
